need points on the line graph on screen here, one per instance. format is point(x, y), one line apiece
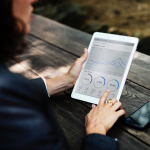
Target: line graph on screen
point(109, 64)
point(118, 63)
point(107, 61)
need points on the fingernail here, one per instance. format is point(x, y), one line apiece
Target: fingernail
point(93, 105)
point(84, 51)
point(108, 90)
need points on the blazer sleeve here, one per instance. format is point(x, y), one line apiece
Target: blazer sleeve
point(39, 83)
point(26, 119)
point(27, 122)
point(92, 141)
point(98, 142)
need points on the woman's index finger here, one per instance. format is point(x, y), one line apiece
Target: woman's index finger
point(103, 98)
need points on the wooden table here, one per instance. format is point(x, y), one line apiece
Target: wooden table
point(53, 49)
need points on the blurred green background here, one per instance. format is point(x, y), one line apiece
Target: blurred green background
point(123, 17)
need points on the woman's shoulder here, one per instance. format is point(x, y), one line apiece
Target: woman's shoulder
point(7, 78)
point(17, 87)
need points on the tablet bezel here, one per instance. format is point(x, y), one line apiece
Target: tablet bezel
point(107, 36)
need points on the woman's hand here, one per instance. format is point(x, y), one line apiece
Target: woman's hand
point(67, 81)
point(75, 69)
point(103, 116)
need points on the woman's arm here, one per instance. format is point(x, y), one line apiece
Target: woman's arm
point(98, 121)
point(68, 80)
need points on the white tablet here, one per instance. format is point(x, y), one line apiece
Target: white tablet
point(106, 67)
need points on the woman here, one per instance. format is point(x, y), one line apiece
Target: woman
point(26, 120)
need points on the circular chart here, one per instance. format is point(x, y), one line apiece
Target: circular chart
point(113, 85)
point(86, 79)
point(99, 82)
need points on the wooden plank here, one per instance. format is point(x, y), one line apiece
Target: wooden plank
point(52, 32)
point(51, 56)
point(47, 50)
point(122, 136)
point(60, 35)
point(74, 112)
point(70, 115)
point(142, 60)
point(74, 129)
point(139, 75)
point(133, 97)
point(74, 41)
point(23, 71)
point(44, 60)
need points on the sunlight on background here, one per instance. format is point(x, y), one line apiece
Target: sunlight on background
point(136, 55)
point(123, 17)
point(17, 68)
point(25, 69)
point(51, 72)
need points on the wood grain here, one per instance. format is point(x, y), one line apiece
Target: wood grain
point(17, 68)
point(46, 59)
point(51, 60)
point(70, 115)
point(74, 41)
point(53, 55)
point(133, 96)
point(142, 60)
point(139, 75)
point(60, 35)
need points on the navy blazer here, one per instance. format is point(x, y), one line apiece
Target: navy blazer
point(27, 122)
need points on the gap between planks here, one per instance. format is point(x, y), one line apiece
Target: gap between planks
point(52, 44)
point(77, 57)
point(90, 108)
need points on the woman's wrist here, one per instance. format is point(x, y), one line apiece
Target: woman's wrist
point(69, 81)
point(98, 130)
point(59, 84)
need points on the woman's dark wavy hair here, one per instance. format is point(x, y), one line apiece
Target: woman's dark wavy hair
point(12, 41)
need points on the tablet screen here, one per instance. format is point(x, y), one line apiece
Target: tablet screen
point(104, 68)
